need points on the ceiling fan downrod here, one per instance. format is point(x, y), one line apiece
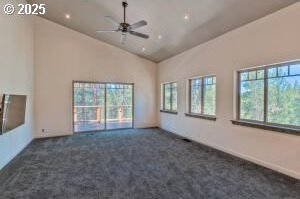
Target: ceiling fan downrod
point(125, 5)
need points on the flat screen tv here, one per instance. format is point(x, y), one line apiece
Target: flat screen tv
point(12, 113)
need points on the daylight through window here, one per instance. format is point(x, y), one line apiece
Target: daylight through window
point(169, 92)
point(202, 99)
point(270, 94)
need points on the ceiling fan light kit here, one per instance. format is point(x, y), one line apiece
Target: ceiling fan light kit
point(125, 27)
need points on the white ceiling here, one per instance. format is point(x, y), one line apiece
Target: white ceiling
point(207, 20)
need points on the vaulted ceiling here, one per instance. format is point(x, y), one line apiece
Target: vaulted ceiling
point(205, 20)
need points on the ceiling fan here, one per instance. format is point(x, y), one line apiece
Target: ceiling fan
point(124, 27)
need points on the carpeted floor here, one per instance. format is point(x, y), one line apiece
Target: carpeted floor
point(136, 164)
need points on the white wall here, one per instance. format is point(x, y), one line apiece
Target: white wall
point(16, 76)
point(63, 55)
point(272, 39)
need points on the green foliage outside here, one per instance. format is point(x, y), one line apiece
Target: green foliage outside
point(170, 96)
point(283, 99)
point(208, 90)
point(196, 90)
point(252, 100)
point(209, 99)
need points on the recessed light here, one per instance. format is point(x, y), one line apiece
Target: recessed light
point(159, 37)
point(143, 49)
point(186, 17)
point(68, 16)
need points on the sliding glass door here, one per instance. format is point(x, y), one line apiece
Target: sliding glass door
point(101, 106)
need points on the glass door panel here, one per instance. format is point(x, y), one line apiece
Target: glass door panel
point(88, 106)
point(119, 106)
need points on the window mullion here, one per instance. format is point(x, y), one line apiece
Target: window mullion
point(171, 98)
point(239, 97)
point(164, 97)
point(190, 96)
point(202, 95)
point(266, 95)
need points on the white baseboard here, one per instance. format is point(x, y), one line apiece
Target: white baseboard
point(147, 127)
point(263, 163)
point(50, 135)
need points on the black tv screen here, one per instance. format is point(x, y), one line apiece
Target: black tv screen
point(12, 112)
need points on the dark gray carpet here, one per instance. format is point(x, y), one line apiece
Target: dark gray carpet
point(136, 164)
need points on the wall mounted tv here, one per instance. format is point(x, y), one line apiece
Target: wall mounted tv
point(12, 113)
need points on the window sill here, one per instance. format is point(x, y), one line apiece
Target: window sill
point(205, 117)
point(170, 112)
point(282, 129)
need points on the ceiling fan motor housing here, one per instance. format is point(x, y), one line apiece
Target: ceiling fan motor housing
point(124, 27)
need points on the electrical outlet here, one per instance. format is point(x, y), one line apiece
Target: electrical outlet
point(43, 131)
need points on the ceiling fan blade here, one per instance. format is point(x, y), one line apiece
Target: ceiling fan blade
point(112, 21)
point(100, 31)
point(138, 24)
point(139, 34)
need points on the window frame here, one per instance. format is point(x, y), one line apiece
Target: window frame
point(163, 109)
point(189, 98)
point(263, 124)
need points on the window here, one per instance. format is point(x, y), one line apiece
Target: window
point(202, 96)
point(270, 95)
point(169, 97)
